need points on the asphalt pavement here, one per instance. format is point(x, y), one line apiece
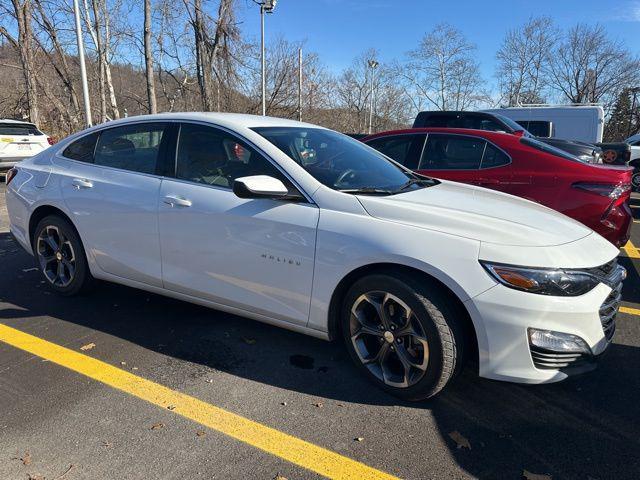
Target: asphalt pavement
point(78, 421)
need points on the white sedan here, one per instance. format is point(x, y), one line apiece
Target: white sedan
point(20, 140)
point(307, 229)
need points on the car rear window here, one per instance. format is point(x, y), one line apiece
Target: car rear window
point(543, 147)
point(18, 129)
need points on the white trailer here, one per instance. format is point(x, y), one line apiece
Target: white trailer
point(568, 122)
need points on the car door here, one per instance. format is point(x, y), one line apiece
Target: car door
point(252, 254)
point(452, 157)
point(110, 184)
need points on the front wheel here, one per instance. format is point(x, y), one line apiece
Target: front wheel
point(61, 257)
point(402, 333)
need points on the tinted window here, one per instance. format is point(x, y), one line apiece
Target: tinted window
point(404, 149)
point(214, 157)
point(452, 152)
point(538, 128)
point(18, 129)
point(82, 149)
point(494, 157)
point(478, 122)
point(337, 161)
point(132, 147)
point(543, 147)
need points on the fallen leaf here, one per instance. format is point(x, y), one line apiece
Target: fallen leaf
point(106, 444)
point(319, 405)
point(201, 433)
point(358, 439)
point(171, 407)
point(36, 477)
point(248, 341)
point(280, 477)
point(88, 346)
point(535, 476)
point(157, 426)
point(25, 459)
point(461, 441)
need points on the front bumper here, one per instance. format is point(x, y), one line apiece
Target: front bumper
point(502, 317)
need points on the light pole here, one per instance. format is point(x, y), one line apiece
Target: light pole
point(266, 6)
point(373, 64)
point(83, 68)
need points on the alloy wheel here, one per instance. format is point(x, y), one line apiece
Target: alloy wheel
point(388, 339)
point(56, 256)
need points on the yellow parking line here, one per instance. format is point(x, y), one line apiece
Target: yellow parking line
point(287, 447)
point(629, 310)
point(631, 250)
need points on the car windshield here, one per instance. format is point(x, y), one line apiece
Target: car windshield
point(342, 163)
point(18, 129)
point(513, 125)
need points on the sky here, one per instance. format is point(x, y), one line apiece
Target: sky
point(339, 30)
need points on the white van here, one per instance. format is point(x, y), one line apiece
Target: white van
point(583, 123)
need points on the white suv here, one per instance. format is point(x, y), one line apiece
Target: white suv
point(307, 229)
point(20, 140)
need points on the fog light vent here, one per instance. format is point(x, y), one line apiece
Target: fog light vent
point(556, 350)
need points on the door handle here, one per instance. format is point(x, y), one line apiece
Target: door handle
point(81, 183)
point(176, 201)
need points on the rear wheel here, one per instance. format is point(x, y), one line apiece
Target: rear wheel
point(403, 334)
point(60, 256)
point(635, 181)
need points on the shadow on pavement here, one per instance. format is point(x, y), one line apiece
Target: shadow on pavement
point(583, 428)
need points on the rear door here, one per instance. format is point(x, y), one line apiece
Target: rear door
point(452, 157)
point(112, 195)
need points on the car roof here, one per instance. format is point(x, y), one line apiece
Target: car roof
point(18, 122)
point(457, 131)
point(230, 120)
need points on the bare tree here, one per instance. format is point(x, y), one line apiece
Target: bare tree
point(442, 72)
point(148, 59)
point(523, 60)
point(589, 67)
point(22, 12)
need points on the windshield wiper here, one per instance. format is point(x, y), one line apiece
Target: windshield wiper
point(368, 190)
point(414, 181)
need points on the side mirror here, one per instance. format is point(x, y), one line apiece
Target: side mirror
point(259, 186)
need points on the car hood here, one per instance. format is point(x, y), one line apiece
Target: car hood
point(477, 213)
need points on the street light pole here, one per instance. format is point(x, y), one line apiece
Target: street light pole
point(300, 84)
point(373, 64)
point(263, 80)
point(83, 68)
point(266, 6)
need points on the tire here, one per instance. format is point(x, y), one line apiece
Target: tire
point(635, 182)
point(56, 242)
point(433, 350)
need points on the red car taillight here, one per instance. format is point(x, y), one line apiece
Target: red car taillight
point(52, 141)
point(618, 193)
point(11, 174)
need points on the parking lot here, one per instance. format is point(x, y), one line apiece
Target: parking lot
point(188, 392)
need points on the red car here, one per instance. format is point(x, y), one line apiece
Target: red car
point(595, 195)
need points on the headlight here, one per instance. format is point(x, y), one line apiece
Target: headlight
point(543, 281)
point(588, 158)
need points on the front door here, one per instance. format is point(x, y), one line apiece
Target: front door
point(252, 254)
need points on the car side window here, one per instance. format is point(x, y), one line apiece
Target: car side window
point(494, 157)
point(82, 149)
point(404, 149)
point(452, 152)
point(211, 156)
point(131, 147)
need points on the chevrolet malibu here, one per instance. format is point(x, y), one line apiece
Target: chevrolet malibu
point(304, 228)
